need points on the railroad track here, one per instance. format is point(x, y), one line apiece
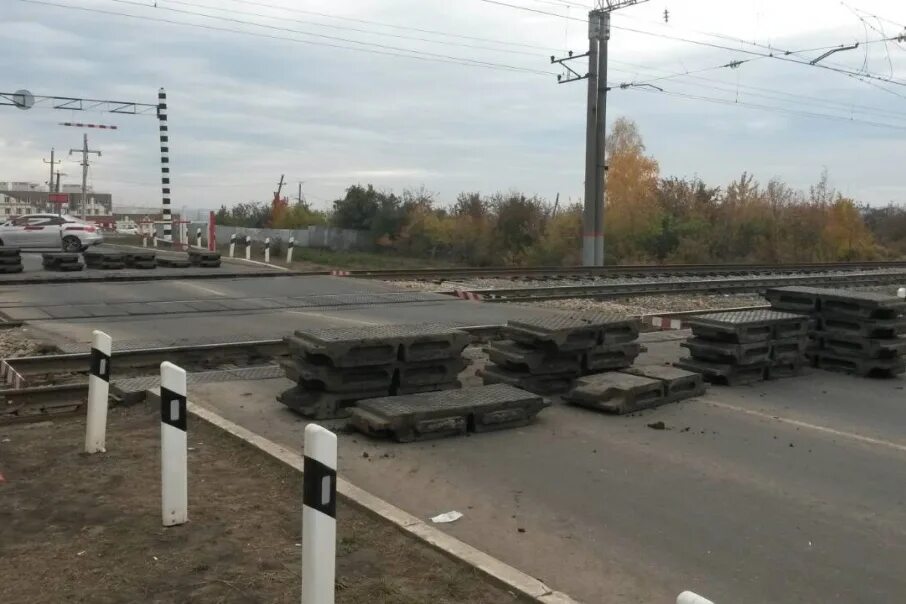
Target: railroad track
point(729, 285)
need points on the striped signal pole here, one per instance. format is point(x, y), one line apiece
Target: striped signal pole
point(319, 515)
point(164, 164)
point(174, 479)
point(98, 392)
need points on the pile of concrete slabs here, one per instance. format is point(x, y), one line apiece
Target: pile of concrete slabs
point(103, 259)
point(61, 261)
point(636, 388)
point(546, 354)
point(743, 347)
point(204, 258)
point(449, 413)
point(335, 367)
point(860, 333)
point(10, 260)
point(141, 260)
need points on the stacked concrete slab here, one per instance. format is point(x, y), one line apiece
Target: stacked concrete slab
point(102, 259)
point(852, 332)
point(742, 347)
point(635, 388)
point(204, 258)
point(61, 261)
point(10, 260)
point(546, 354)
point(334, 368)
point(141, 260)
point(173, 261)
point(452, 413)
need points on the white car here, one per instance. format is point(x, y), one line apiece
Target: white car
point(49, 231)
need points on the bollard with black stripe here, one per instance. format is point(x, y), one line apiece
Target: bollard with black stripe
point(232, 244)
point(289, 250)
point(248, 247)
point(98, 392)
point(173, 456)
point(267, 250)
point(198, 237)
point(319, 516)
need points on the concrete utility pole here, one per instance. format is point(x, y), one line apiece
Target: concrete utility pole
point(85, 151)
point(52, 164)
point(596, 126)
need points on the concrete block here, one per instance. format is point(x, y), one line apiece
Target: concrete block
point(379, 344)
point(790, 350)
point(454, 385)
point(10, 260)
point(870, 348)
point(173, 262)
point(837, 325)
point(9, 251)
point(312, 376)
point(198, 257)
point(720, 373)
point(9, 269)
point(785, 369)
point(730, 353)
point(607, 357)
point(60, 261)
point(862, 305)
point(860, 366)
point(101, 259)
point(747, 326)
point(573, 331)
point(426, 373)
point(796, 299)
point(540, 384)
point(532, 359)
point(617, 393)
point(324, 405)
point(678, 383)
point(451, 413)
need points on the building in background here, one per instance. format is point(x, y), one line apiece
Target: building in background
point(18, 198)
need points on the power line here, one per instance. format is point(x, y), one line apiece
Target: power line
point(406, 53)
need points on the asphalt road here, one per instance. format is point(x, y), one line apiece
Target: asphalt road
point(790, 491)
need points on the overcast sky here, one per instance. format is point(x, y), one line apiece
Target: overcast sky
point(246, 108)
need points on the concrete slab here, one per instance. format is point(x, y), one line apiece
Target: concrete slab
point(531, 359)
point(333, 379)
point(320, 405)
point(557, 383)
point(859, 366)
point(679, 384)
point(790, 350)
point(862, 305)
point(833, 323)
point(452, 413)
point(573, 331)
point(872, 348)
point(607, 357)
point(748, 326)
point(720, 351)
point(426, 373)
point(797, 299)
point(722, 373)
point(617, 393)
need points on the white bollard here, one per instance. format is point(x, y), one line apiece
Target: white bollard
point(232, 245)
point(289, 250)
point(98, 391)
point(144, 242)
point(248, 247)
point(174, 480)
point(267, 250)
point(154, 240)
point(688, 597)
point(198, 237)
point(901, 293)
point(319, 516)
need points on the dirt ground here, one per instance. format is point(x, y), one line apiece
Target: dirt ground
point(78, 528)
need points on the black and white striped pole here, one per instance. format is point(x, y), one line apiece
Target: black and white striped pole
point(232, 245)
point(289, 250)
point(98, 391)
point(198, 237)
point(248, 247)
point(267, 250)
point(166, 215)
point(319, 516)
point(174, 479)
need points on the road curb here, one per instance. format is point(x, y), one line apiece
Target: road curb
point(499, 572)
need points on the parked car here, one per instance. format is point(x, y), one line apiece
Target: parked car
point(126, 231)
point(49, 231)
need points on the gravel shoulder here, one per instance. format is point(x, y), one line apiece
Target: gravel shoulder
point(78, 528)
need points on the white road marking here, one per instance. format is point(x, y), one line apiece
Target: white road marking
point(794, 422)
point(332, 317)
point(203, 288)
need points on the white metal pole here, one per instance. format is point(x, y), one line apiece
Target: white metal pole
point(248, 247)
point(267, 250)
point(174, 480)
point(688, 597)
point(98, 391)
point(232, 245)
point(289, 250)
point(319, 516)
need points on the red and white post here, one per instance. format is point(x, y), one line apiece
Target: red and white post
point(98, 393)
point(174, 475)
point(319, 516)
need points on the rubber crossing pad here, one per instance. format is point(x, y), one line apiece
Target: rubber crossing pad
point(556, 383)
point(870, 348)
point(746, 326)
point(516, 356)
point(318, 404)
point(862, 367)
point(831, 323)
point(173, 262)
point(141, 260)
point(10, 251)
point(731, 375)
point(99, 259)
point(61, 261)
point(618, 393)
point(728, 352)
point(607, 357)
point(573, 331)
point(449, 413)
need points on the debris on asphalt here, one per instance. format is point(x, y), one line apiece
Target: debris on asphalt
point(446, 517)
point(657, 426)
